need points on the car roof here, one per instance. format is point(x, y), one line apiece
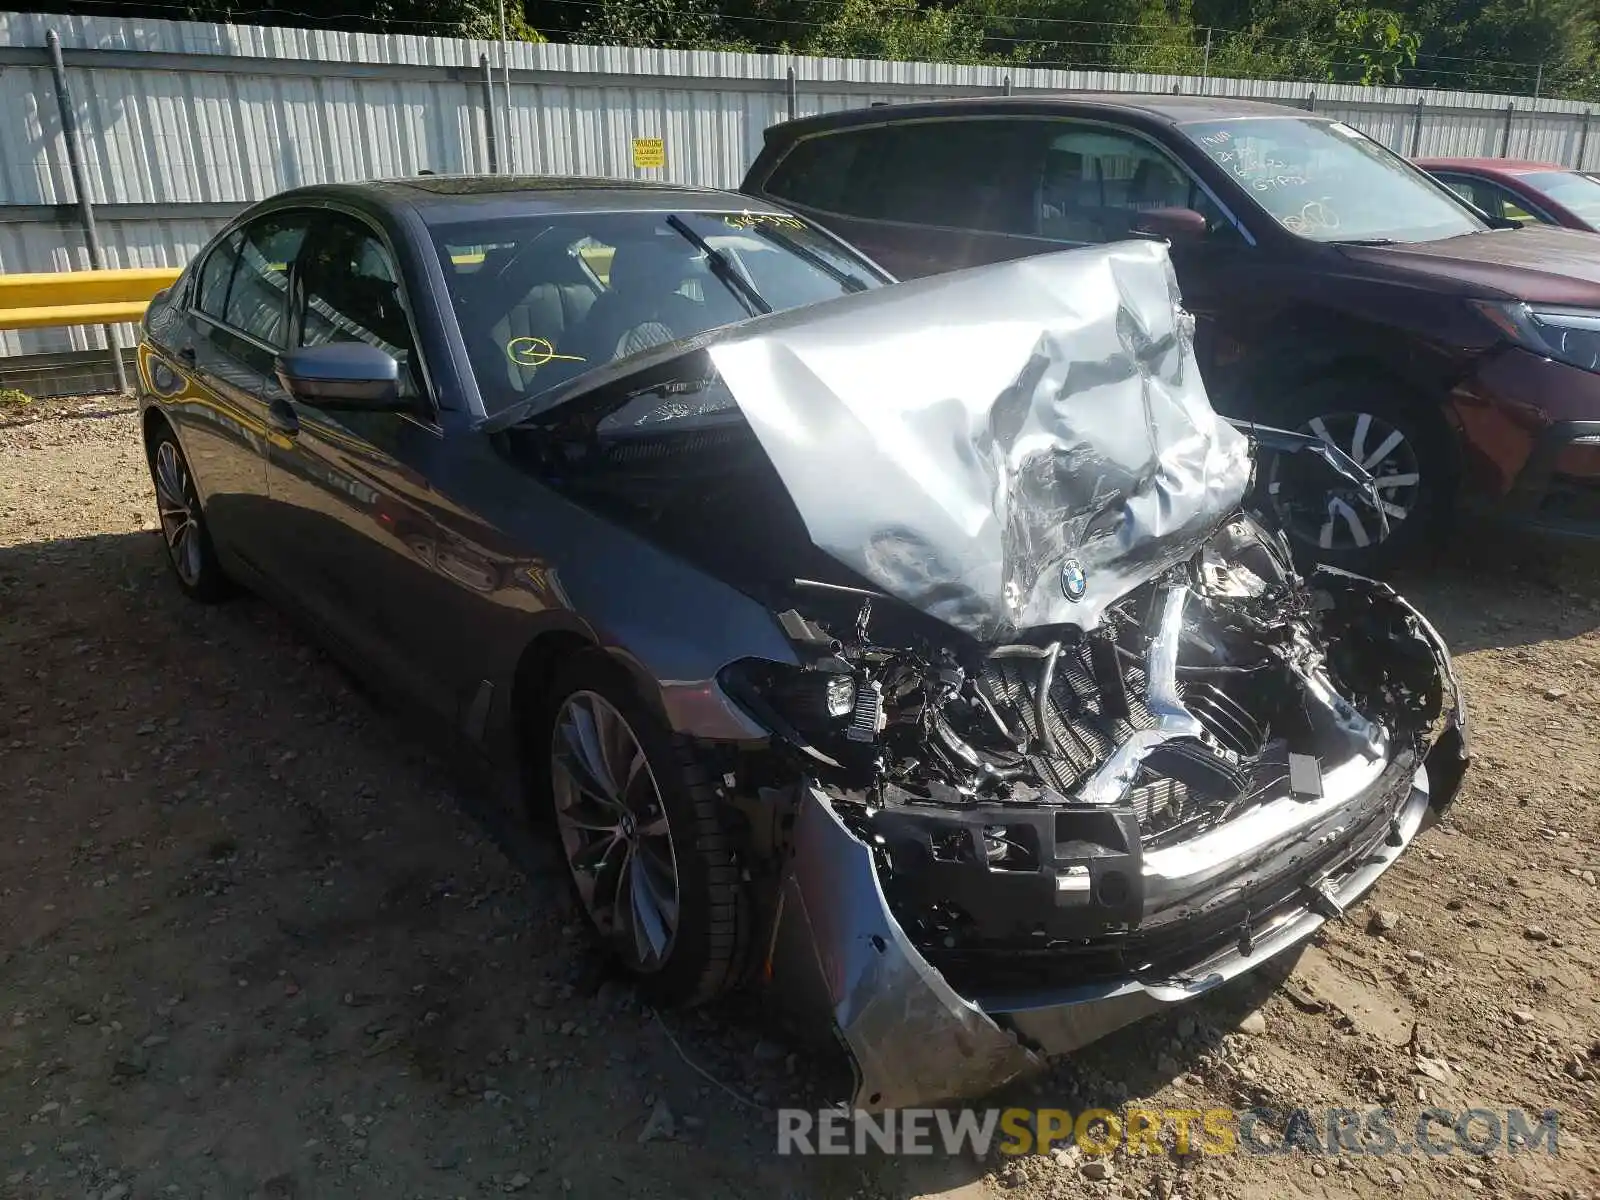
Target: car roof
point(447, 198)
point(1489, 166)
point(1162, 107)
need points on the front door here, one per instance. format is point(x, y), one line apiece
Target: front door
point(349, 489)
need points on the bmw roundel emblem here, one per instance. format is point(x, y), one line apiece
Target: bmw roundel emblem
point(1074, 580)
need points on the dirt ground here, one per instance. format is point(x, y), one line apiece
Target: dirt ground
point(255, 944)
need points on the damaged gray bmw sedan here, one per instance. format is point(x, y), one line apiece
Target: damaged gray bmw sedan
point(907, 651)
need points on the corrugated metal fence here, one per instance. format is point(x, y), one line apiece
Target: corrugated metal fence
point(184, 123)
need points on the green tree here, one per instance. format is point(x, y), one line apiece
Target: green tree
point(1374, 46)
point(869, 29)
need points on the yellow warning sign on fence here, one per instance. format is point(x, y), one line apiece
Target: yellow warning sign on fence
point(649, 152)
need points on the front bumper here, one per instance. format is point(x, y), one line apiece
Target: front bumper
point(1530, 440)
point(1557, 492)
point(838, 951)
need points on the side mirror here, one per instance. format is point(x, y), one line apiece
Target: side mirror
point(1174, 224)
point(350, 375)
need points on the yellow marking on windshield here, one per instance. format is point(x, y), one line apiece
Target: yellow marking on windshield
point(535, 352)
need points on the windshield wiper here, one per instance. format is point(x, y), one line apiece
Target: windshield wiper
point(1377, 241)
point(845, 279)
point(722, 268)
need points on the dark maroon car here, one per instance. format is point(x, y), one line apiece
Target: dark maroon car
point(1337, 289)
point(1521, 191)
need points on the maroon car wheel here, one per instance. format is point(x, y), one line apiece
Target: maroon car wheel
point(1330, 520)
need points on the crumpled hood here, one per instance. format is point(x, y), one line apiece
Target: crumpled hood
point(1006, 447)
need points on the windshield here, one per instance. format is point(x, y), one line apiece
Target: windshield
point(1328, 182)
point(1572, 191)
point(540, 300)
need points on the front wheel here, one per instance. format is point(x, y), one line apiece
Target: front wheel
point(1401, 446)
point(639, 828)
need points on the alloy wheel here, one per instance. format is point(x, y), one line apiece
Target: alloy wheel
point(179, 509)
point(614, 830)
point(1334, 515)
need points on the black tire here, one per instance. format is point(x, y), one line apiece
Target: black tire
point(703, 958)
point(190, 552)
point(1320, 512)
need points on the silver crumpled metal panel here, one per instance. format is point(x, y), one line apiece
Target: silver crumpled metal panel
point(838, 951)
point(966, 441)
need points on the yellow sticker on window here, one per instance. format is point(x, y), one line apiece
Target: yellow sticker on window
point(649, 152)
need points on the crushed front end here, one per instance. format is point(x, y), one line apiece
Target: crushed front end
point(1006, 858)
point(1069, 737)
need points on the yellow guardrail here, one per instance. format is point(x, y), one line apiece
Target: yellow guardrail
point(51, 298)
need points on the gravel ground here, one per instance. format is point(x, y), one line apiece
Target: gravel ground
point(255, 944)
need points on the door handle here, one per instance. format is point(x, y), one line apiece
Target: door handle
point(281, 416)
point(186, 353)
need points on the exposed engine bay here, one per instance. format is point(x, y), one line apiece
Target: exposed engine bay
point(1011, 794)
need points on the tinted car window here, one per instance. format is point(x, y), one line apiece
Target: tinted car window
point(258, 298)
point(1325, 181)
point(1095, 182)
point(215, 275)
point(352, 293)
point(964, 174)
point(1491, 198)
point(817, 170)
point(542, 299)
point(1569, 189)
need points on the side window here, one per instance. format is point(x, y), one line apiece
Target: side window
point(257, 301)
point(351, 289)
point(1474, 192)
point(215, 275)
point(1510, 205)
point(1095, 182)
point(816, 170)
point(958, 173)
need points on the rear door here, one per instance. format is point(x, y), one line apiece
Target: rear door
point(919, 197)
point(237, 323)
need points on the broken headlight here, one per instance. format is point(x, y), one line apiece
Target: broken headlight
point(1569, 335)
point(814, 701)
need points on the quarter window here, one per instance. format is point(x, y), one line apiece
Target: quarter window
point(352, 294)
point(215, 276)
point(258, 296)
